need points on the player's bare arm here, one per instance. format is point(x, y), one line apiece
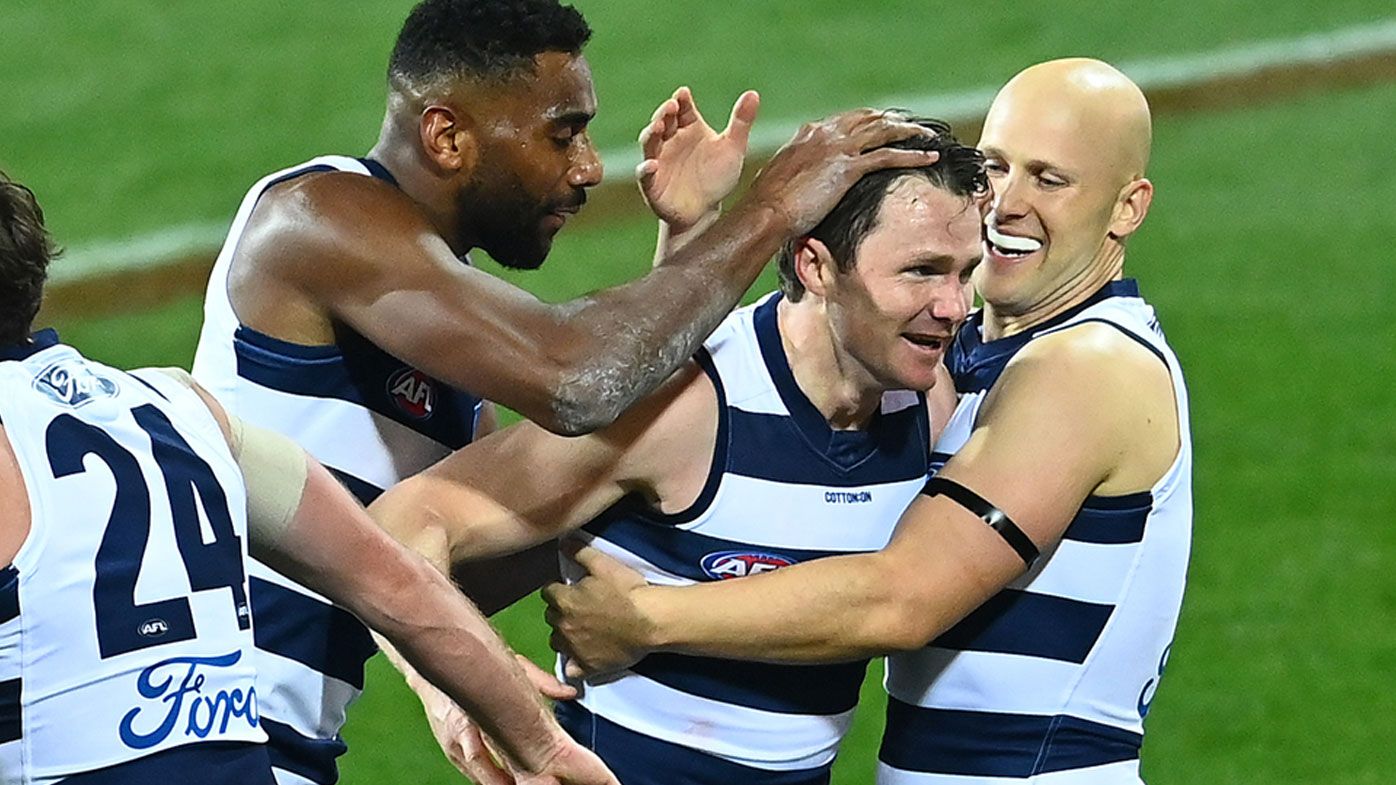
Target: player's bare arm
point(472, 505)
point(1085, 411)
point(331, 247)
point(524, 486)
point(323, 538)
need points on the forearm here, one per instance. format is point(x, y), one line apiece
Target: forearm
point(626, 340)
point(335, 549)
point(439, 635)
point(839, 608)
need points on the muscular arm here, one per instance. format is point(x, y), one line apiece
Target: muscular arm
point(524, 486)
point(357, 250)
point(1067, 418)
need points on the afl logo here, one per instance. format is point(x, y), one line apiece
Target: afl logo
point(739, 564)
point(153, 628)
point(413, 392)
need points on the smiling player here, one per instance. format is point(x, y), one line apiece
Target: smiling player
point(343, 312)
point(791, 436)
point(1030, 595)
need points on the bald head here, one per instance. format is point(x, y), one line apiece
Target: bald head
point(1065, 144)
point(1086, 102)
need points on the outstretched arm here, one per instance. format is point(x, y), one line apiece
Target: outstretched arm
point(1049, 434)
point(575, 366)
point(304, 524)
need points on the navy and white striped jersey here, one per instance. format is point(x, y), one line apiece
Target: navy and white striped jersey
point(1049, 681)
point(124, 627)
point(372, 420)
point(783, 488)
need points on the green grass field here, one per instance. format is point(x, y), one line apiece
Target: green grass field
point(1264, 255)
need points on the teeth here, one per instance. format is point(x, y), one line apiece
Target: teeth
point(1008, 242)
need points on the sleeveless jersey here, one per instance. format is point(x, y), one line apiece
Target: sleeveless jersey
point(372, 420)
point(783, 488)
point(1049, 681)
point(124, 625)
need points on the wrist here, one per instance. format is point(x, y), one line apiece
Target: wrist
point(655, 632)
point(538, 757)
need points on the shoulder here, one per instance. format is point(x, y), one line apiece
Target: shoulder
point(1090, 390)
point(1088, 360)
point(348, 217)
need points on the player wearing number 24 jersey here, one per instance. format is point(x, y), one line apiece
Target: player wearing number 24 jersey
point(130, 503)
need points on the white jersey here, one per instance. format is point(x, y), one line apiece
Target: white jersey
point(124, 624)
point(1050, 680)
point(372, 420)
point(783, 488)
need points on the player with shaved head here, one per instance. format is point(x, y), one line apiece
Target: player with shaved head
point(1029, 595)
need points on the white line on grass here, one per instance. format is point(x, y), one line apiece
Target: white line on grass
point(179, 242)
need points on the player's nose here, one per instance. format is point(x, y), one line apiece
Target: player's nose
point(587, 168)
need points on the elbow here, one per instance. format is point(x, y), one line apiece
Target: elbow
point(582, 401)
point(907, 634)
point(904, 615)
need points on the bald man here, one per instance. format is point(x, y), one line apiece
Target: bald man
point(1029, 595)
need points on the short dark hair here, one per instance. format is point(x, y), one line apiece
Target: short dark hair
point(959, 170)
point(481, 39)
point(25, 252)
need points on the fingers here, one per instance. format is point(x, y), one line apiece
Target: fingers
point(883, 128)
point(574, 670)
point(602, 566)
point(546, 683)
point(743, 115)
point(892, 158)
point(661, 127)
point(477, 763)
point(688, 109)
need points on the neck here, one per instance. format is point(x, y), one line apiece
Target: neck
point(401, 156)
point(835, 383)
point(1002, 322)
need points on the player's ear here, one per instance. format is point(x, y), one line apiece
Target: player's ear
point(1131, 207)
point(448, 140)
point(814, 265)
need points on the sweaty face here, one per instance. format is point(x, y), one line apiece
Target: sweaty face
point(1054, 190)
point(535, 160)
point(897, 310)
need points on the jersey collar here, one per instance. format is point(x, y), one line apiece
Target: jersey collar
point(39, 341)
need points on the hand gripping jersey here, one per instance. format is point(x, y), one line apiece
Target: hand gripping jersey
point(1050, 680)
point(372, 420)
point(124, 625)
point(783, 488)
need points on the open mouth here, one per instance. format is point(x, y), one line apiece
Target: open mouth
point(1008, 245)
point(925, 341)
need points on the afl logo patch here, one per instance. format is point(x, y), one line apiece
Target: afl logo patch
point(413, 392)
point(153, 628)
point(739, 564)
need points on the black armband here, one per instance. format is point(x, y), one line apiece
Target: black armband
point(997, 519)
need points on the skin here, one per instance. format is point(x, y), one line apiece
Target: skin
point(1080, 412)
point(847, 343)
point(688, 169)
point(499, 166)
point(333, 547)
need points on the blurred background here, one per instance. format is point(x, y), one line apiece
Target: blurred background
point(140, 124)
